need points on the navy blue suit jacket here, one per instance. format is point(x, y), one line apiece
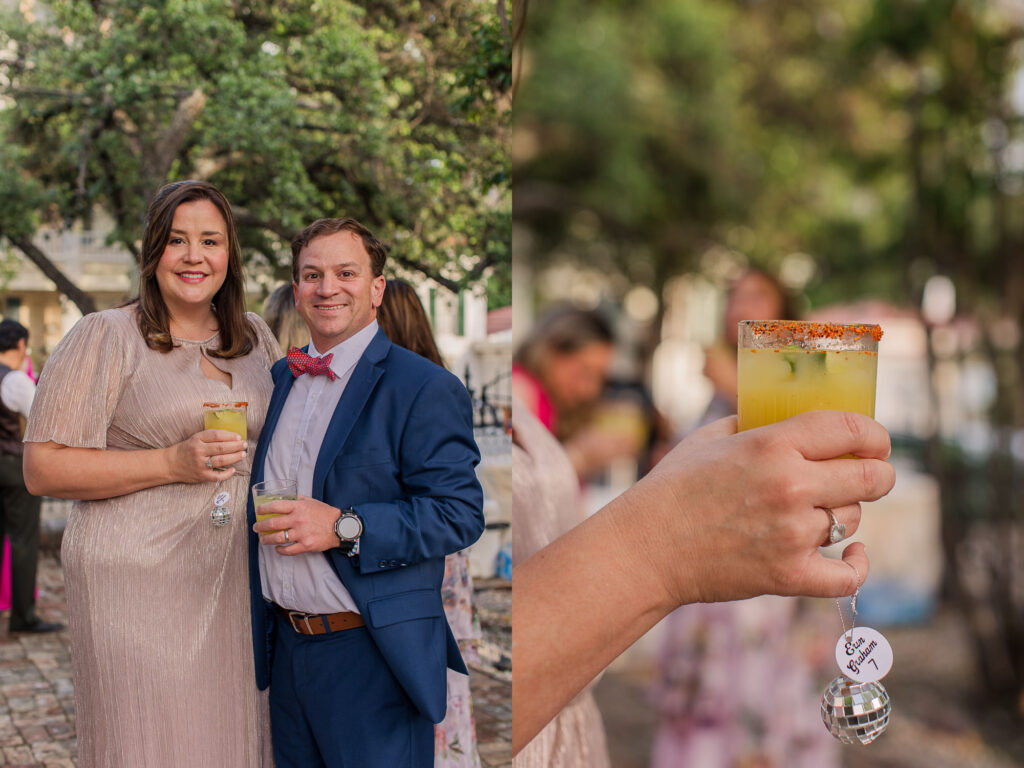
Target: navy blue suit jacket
point(400, 451)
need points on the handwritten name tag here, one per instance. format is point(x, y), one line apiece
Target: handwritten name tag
point(864, 655)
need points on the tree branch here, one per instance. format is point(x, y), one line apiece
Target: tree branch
point(81, 299)
point(246, 218)
point(156, 164)
point(506, 32)
point(479, 267)
point(425, 269)
point(117, 193)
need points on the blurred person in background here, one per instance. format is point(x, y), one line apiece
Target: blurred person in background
point(284, 319)
point(559, 373)
point(19, 509)
point(754, 295)
point(401, 316)
point(735, 679)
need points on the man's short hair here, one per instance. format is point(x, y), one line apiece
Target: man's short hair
point(11, 332)
point(323, 227)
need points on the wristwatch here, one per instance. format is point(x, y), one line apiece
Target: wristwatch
point(348, 528)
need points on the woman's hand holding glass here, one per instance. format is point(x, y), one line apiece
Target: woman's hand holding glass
point(754, 506)
point(207, 456)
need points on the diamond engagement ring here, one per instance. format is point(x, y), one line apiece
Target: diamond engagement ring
point(836, 530)
point(209, 462)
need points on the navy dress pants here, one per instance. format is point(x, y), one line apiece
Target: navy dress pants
point(335, 704)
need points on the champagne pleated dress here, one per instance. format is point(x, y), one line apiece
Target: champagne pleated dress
point(158, 597)
point(545, 497)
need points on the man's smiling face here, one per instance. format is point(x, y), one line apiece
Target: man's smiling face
point(337, 293)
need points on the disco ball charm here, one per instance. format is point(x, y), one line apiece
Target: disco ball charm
point(220, 516)
point(855, 712)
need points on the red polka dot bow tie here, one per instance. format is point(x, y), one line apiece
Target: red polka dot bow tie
point(299, 363)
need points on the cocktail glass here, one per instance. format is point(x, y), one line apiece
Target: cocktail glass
point(229, 416)
point(232, 417)
point(272, 490)
point(788, 367)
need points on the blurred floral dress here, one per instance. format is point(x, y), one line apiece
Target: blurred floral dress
point(740, 684)
point(455, 736)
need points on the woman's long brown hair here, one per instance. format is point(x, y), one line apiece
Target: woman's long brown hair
point(401, 316)
point(237, 337)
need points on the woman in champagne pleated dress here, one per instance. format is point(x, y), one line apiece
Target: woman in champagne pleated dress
point(158, 596)
point(546, 497)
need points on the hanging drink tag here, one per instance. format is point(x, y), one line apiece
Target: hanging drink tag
point(221, 498)
point(864, 655)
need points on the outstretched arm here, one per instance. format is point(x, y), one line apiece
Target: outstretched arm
point(723, 516)
point(52, 469)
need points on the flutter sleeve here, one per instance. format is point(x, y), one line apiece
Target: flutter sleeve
point(81, 383)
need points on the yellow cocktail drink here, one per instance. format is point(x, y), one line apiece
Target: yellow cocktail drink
point(786, 367)
point(260, 500)
point(269, 491)
point(229, 416)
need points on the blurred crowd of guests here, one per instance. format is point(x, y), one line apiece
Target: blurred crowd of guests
point(562, 373)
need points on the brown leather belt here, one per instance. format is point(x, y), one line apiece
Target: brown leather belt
point(321, 623)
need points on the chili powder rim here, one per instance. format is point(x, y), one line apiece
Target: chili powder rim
point(805, 329)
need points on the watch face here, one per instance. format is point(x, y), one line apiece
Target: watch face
point(349, 527)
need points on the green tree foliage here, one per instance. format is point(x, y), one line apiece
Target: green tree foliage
point(626, 122)
point(880, 138)
point(394, 112)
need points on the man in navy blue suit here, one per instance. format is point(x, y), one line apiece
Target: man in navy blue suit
point(348, 623)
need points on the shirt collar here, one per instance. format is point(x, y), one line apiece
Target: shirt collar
point(347, 353)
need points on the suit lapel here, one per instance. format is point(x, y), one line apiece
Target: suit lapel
point(364, 378)
point(282, 387)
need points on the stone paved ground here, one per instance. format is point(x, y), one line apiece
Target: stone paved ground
point(492, 708)
point(37, 708)
point(37, 705)
point(491, 682)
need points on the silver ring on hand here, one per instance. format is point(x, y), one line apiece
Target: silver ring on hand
point(836, 530)
point(209, 462)
point(286, 539)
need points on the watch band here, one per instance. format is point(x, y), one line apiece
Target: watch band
point(348, 546)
